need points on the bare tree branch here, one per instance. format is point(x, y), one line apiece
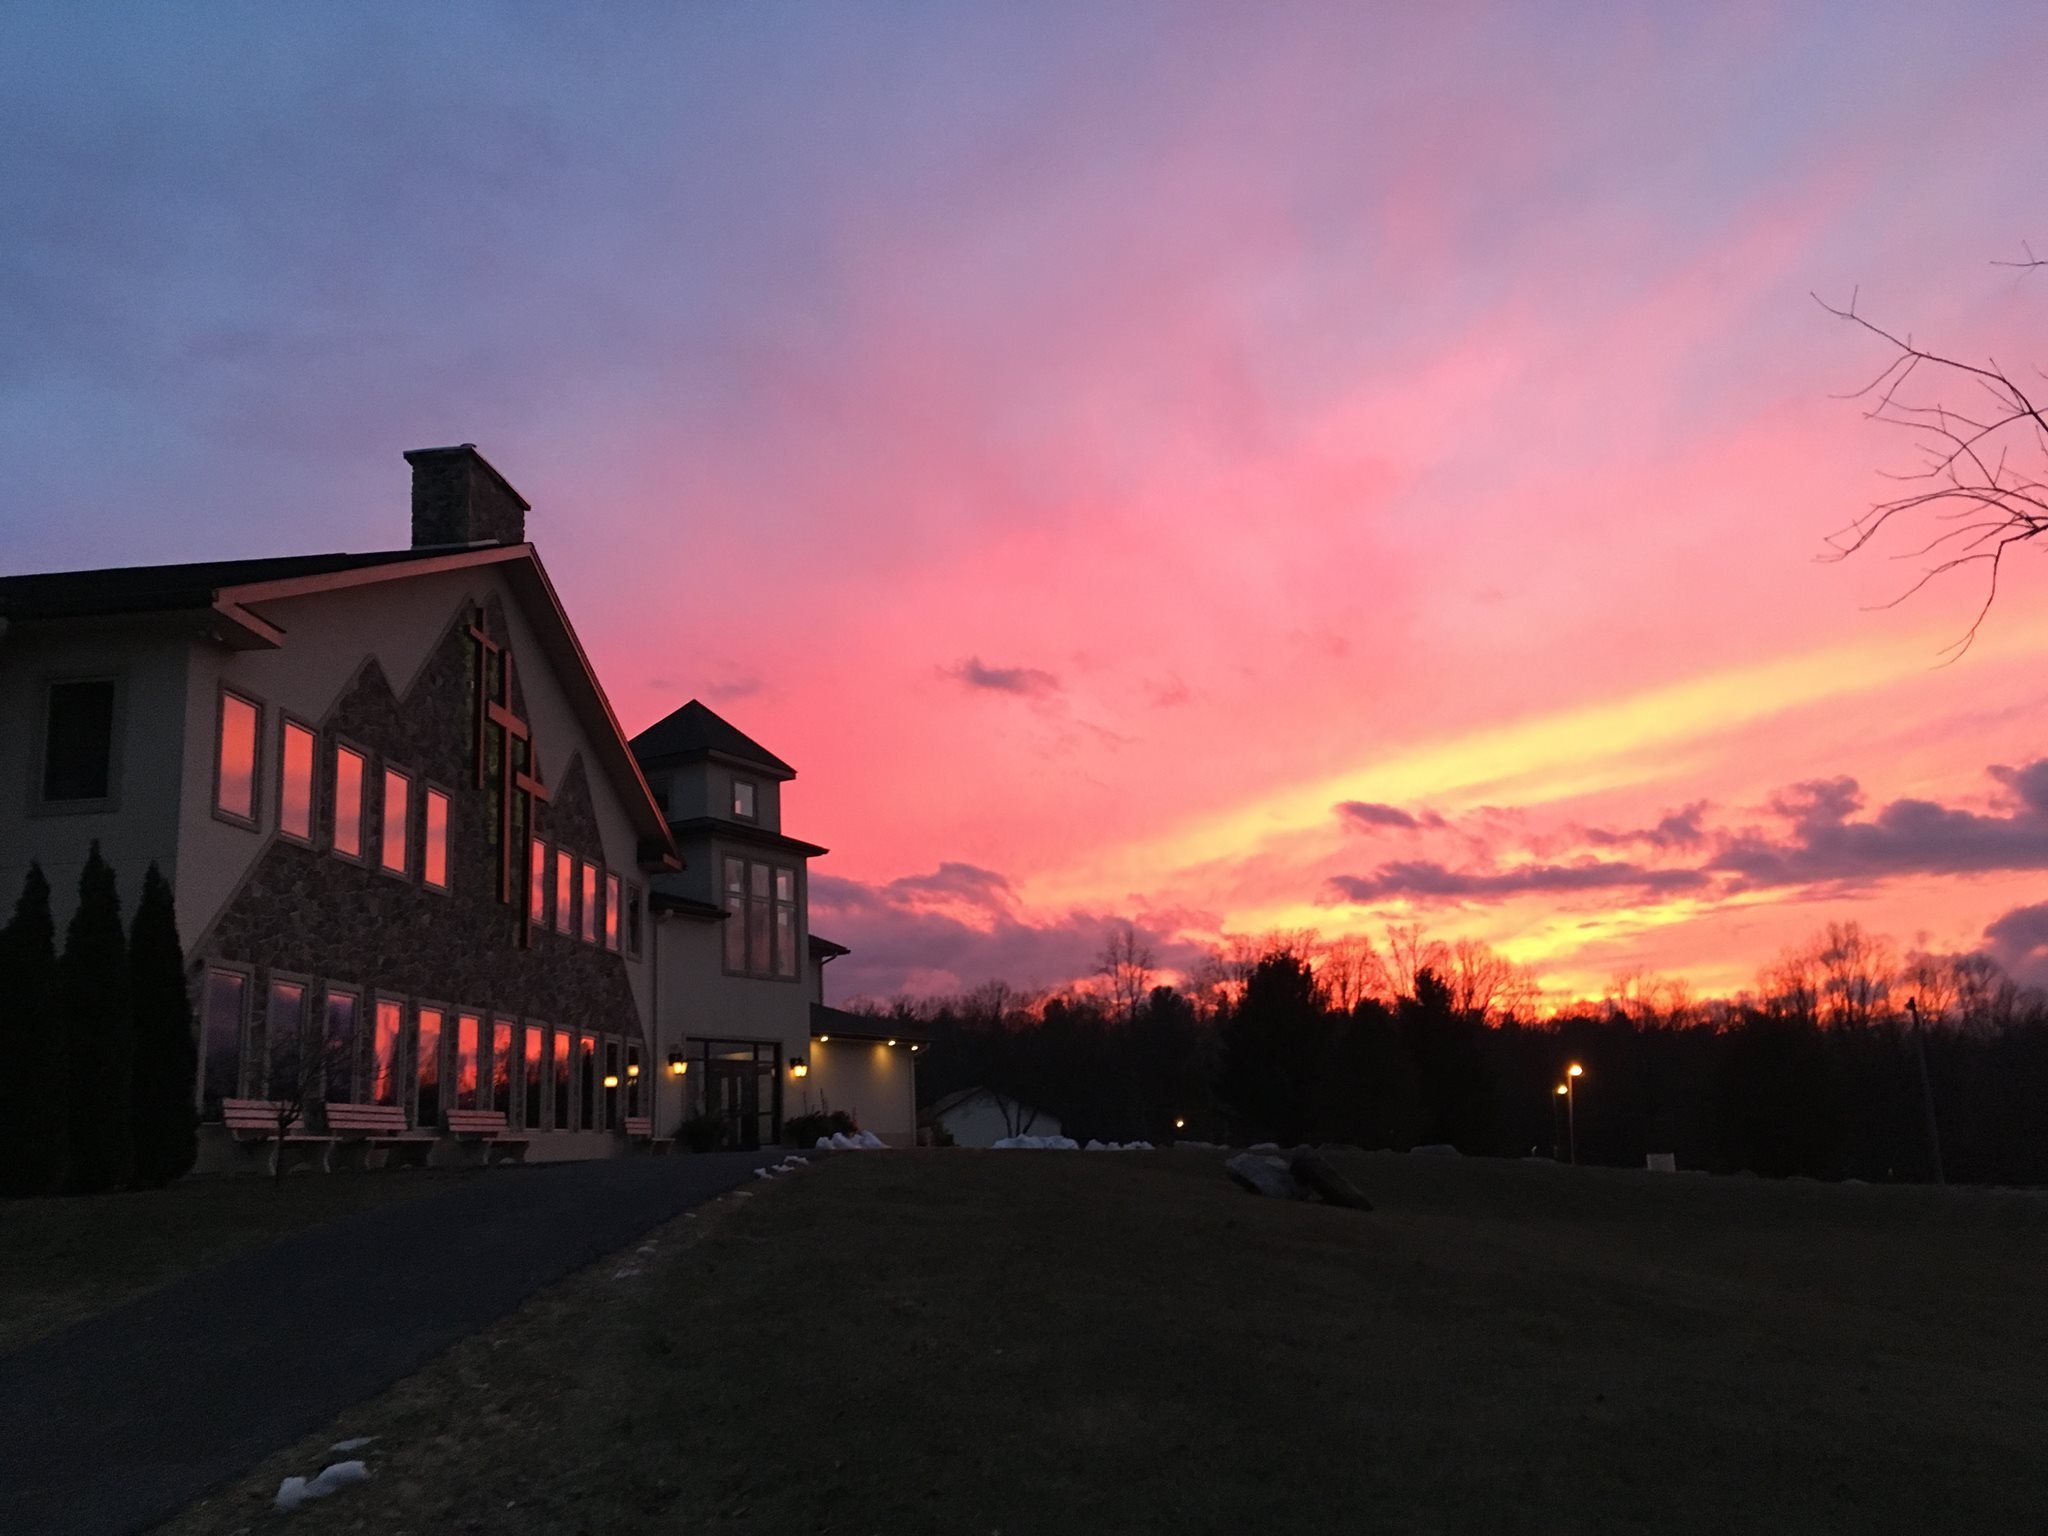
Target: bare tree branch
point(1980, 479)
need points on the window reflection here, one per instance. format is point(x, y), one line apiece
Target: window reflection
point(384, 1053)
point(295, 783)
point(235, 791)
point(221, 1039)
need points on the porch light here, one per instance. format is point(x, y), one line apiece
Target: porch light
point(632, 1069)
point(677, 1066)
point(823, 1038)
point(1179, 1124)
point(892, 1042)
point(913, 1050)
point(611, 1079)
point(798, 1067)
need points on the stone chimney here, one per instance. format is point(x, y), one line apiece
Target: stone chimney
point(457, 498)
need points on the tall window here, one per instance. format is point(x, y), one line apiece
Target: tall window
point(348, 802)
point(561, 1065)
point(633, 921)
point(78, 741)
point(534, 1079)
point(501, 1068)
point(589, 903)
point(338, 1048)
point(397, 822)
point(743, 799)
point(295, 783)
point(586, 1080)
point(736, 915)
point(220, 1078)
point(467, 1029)
point(434, 851)
point(285, 1025)
point(611, 913)
point(632, 1078)
point(234, 784)
point(537, 884)
point(565, 889)
point(384, 1053)
point(760, 942)
point(427, 1067)
point(785, 922)
point(611, 1083)
point(760, 924)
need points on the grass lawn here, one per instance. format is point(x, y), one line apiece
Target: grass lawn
point(955, 1342)
point(62, 1260)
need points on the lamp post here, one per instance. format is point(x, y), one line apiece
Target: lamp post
point(1563, 1092)
point(1569, 1088)
point(1926, 1089)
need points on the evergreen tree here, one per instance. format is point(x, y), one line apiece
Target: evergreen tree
point(99, 1032)
point(164, 1121)
point(33, 1089)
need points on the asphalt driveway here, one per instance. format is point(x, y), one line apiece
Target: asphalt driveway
point(118, 1422)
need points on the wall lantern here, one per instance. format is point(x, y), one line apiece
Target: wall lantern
point(798, 1067)
point(611, 1079)
point(632, 1069)
point(676, 1065)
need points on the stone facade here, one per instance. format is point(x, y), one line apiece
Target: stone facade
point(310, 914)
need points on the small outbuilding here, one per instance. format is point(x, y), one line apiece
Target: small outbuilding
point(981, 1117)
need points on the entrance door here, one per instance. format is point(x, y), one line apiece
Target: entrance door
point(740, 1088)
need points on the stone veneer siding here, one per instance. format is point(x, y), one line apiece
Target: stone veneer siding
point(308, 913)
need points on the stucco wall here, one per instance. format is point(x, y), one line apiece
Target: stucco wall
point(149, 661)
point(697, 1001)
point(874, 1082)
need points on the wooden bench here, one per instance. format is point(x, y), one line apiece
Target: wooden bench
point(639, 1125)
point(256, 1120)
point(383, 1126)
point(487, 1126)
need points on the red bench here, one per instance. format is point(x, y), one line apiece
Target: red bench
point(381, 1125)
point(487, 1126)
point(257, 1120)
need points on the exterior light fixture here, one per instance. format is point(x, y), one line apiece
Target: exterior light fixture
point(1562, 1091)
point(892, 1042)
point(798, 1067)
point(914, 1050)
point(676, 1065)
point(1179, 1124)
point(611, 1079)
point(632, 1069)
point(1575, 1070)
point(823, 1038)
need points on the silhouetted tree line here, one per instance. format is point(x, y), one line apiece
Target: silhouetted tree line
point(1816, 1072)
point(97, 1041)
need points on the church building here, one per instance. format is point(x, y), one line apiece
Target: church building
point(435, 905)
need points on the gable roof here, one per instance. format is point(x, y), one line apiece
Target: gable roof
point(230, 590)
point(695, 730)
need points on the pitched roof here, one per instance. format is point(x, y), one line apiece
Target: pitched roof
point(695, 729)
point(234, 590)
point(171, 588)
point(823, 949)
point(866, 1026)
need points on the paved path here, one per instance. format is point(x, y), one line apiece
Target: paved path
point(120, 1421)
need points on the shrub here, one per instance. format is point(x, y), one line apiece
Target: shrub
point(166, 1051)
point(702, 1133)
point(804, 1130)
point(99, 1033)
point(33, 1091)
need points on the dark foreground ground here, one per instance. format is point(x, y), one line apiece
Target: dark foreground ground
point(1060, 1342)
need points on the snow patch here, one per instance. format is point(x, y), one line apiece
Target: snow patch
point(294, 1491)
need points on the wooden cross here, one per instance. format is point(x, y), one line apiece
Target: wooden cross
point(494, 712)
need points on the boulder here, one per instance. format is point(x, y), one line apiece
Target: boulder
point(1263, 1175)
point(1311, 1168)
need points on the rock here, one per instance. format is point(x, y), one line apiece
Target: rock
point(1263, 1175)
point(1310, 1167)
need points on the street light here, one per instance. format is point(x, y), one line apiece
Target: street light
point(1569, 1088)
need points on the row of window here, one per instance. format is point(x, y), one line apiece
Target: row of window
point(373, 1048)
point(238, 758)
point(579, 899)
point(760, 924)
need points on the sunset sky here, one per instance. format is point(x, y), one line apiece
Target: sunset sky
point(1226, 466)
